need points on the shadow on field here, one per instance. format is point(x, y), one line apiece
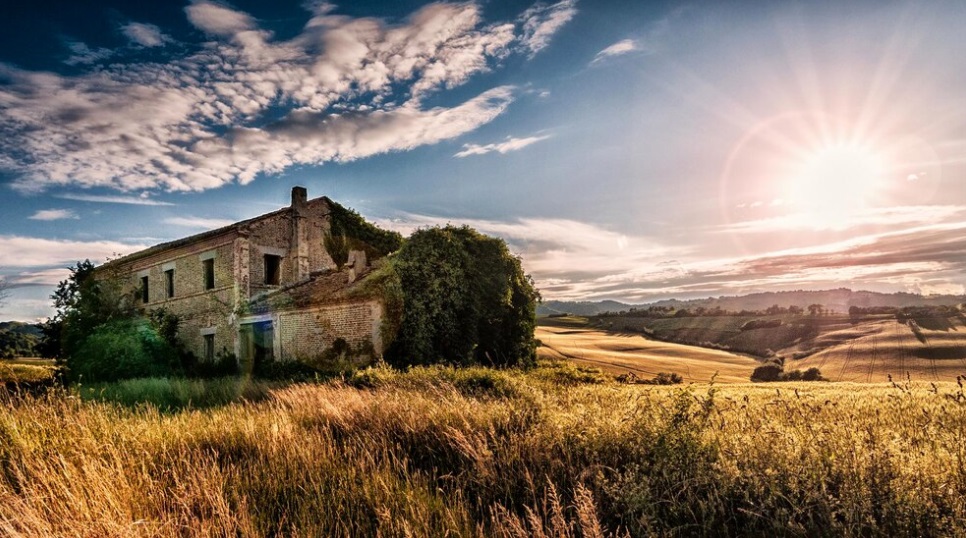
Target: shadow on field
point(940, 352)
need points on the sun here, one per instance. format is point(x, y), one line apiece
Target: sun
point(835, 183)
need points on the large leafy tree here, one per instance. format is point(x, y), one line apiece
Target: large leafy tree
point(465, 298)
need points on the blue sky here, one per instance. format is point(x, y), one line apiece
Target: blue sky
point(625, 150)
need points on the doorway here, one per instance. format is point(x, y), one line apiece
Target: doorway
point(257, 345)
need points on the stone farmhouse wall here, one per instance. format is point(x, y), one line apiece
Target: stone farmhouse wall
point(237, 252)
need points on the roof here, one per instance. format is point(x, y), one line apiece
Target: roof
point(329, 287)
point(235, 227)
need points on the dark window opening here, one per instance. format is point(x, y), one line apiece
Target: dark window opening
point(169, 282)
point(273, 265)
point(209, 347)
point(144, 289)
point(209, 270)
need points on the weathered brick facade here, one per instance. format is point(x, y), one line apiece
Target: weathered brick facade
point(270, 275)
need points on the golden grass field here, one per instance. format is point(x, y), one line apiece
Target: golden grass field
point(617, 353)
point(475, 452)
point(870, 351)
point(874, 350)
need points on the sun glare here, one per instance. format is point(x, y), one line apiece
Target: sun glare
point(835, 183)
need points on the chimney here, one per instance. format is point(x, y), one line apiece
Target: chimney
point(299, 196)
point(300, 230)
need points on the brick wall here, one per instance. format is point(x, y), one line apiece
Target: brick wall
point(306, 334)
point(239, 270)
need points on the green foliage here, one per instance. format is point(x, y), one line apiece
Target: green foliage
point(176, 393)
point(122, 349)
point(349, 231)
point(465, 299)
point(17, 343)
point(82, 304)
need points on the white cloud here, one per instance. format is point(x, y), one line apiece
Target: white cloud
point(21, 251)
point(353, 88)
point(623, 46)
point(542, 21)
point(53, 214)
point(198, 222)
point(581, 261)
point(113, 199)
point(510, 144)
point(145, 35)
point(217, 19)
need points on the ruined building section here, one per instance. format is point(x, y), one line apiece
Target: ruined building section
point(263, 289)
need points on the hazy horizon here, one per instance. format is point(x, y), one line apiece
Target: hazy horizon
point(625, 152)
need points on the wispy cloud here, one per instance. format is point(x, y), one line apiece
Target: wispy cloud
point(37, 252)
point(53, 214)
point(198, 222)
point(623, 46)
point(510, 144)
point(113, 199)
point(581, 261)
point(542, 21)
point(145, 35)
point(352, 88)
point(873, 216)
point(81, 54)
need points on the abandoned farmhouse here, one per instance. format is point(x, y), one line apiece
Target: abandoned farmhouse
point(264, 288)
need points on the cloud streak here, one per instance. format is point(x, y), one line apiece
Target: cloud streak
point(247, 103)
point(542, 21)
point(508, 145)
point(198, 222)
point(53, 214)
point(22, 251)
point(113, 199)
point(623, 46)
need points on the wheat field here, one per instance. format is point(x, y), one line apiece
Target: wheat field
point(619, 353)
point(475, 452)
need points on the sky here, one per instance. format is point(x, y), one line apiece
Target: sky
point(634, 151)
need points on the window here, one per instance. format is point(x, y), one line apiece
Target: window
point(169, 282)
point(209, 347)
point(273, 266)
point(145, 297)
point(208, 267)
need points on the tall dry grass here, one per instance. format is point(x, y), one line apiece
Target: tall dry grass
point(439, 452)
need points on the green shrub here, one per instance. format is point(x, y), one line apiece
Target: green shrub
point(465, 299)
point(176, 393)
point(122, 350)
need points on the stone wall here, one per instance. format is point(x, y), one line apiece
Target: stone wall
point(296, 234)
point(199, 310)
point(306, 334)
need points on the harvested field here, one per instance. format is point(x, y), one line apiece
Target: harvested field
point(622, 353)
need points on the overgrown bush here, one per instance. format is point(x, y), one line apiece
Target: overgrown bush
point(349, 231)
point(465, 299)
point(122, 349)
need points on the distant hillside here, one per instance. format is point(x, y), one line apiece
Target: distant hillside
point(21, 327)
point(581, 308)
point(18, 339)
point(832, 300)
